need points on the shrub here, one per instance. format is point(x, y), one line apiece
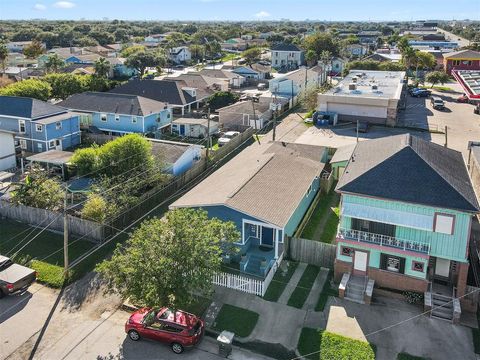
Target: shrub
point(413, 297)
point(95, 208)
point(49, 274)
point(337, 347)
point(85, 160)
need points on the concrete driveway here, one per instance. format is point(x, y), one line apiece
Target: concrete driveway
point(395, 326)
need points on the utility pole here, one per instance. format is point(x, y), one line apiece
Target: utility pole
point(65, 233)
point(208, 134)
point(357, 131)
point(306, 81)
point(446, 136)
point(255, 121)
point(275, 116)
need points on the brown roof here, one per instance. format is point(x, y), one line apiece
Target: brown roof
point(462, 54)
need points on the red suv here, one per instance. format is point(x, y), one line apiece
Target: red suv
point(180, 330)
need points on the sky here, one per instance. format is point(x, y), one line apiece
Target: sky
point(338, 10)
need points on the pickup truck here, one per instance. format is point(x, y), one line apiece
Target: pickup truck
point(13, 277)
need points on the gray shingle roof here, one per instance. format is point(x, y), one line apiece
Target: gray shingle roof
point(266, 182)
point(27, 107)
point(286, 47)
point(409, 169)
point(161, 90)
point(113, 103)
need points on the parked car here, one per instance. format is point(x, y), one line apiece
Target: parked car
point(437, 103)
point(363, 126)
point(227, 137)
point(13, 277)
point(420, 92)
point(179, 329)
point(463, 99)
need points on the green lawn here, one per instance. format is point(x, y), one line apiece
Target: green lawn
point(326, 292)
point(199, 306)
point(406, 356)
point(309, 343)
point(45, 252)
point(279, 282)
point(300, 294)
point(237, 320)
point(321, 210)
point(317, 344)
point(331, 226)
point(229, 57)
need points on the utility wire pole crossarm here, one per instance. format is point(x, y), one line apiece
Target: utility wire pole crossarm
point(65, 232)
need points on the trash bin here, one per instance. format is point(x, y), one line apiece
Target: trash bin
point(224, 341)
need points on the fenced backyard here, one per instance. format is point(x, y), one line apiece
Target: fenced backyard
point(312, 252)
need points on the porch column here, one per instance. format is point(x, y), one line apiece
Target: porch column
point(183, 110)
point(189, 107)
point(276, 243)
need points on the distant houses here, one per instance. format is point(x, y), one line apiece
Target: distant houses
point(287, 57)
point(39, 126)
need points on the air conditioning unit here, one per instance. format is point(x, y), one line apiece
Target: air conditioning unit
point(352, 86)
point(354, 79)
point(374, 87)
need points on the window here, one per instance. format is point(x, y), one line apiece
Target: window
point(103, 117)
point(373, 227)
point(158, 119)
point(58, 125)
point(117, 118)
point(39, 147)
point(455, 62)
point(392, 263)
point(134, 119)
point(23, 144)
point(347, 251)
point(444, 223)
point(51, 144)
point(21, 126)
point(418, 266)
point(38, 127)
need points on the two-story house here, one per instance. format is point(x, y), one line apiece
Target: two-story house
point(406, 213)
point(287, 57)
point(461, 60)
point(121, 113)
point(179, 55)
point(38, 125)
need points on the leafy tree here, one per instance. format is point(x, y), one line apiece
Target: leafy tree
point(425, 60)
point(85, 160)
point(64, 85)
point(38, 190)
point(197, 51)
point(213, 48)
point(96, 208)
point(102, 67)
point(166, 260)
point(130, 50)
point(3, 55)
point(252, 55)
point(33, 88)
point(141, 60)
point(221, 99)
point(311, 57)
point(391, 66)
point(34, 50)
point(103, 37)
point(435, 77)
point(309, 98)
point(54, 63)
point(320, 42)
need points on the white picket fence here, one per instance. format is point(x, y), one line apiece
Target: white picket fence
point(246, 284)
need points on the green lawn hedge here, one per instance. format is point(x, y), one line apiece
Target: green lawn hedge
point(320, 211)
point(237, 320)
point(300, 294)
point(317, 344)
point(279, 282)
point(327, 291)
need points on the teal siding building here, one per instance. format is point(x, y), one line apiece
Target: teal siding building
point(406, 212)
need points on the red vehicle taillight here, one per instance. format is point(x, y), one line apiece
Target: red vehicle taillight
point(9, 287)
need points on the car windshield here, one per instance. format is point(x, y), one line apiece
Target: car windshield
point(5, 264)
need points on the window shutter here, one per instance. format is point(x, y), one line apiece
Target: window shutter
point(402, 266)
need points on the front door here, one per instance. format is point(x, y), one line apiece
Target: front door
point(360, 263)
point(268, 236)
point(182, 129)
point(58, 145)
point(442, 268)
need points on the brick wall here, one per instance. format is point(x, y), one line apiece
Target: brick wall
point(396, 281)
point(340, 268)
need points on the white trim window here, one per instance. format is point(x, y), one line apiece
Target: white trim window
point(21, 126)
point(117, 118)
point(58, 125)
point(103, 117)
point(134, 119)
point(23, 144)
point(38, 127)
point(51, 144)
point(444, 223)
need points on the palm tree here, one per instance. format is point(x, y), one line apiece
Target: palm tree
point(409, 58)
point(3, 55)
point(102, 67)
point(53, 63)
point(326, 59)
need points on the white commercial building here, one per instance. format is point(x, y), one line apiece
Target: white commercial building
point(363, 95)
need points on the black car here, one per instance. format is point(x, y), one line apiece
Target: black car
point(420, 93)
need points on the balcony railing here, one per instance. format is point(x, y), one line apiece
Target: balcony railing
point(383, 240)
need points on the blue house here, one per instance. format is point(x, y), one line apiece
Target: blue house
point(38, 125)
point(266, 191)
point(121, 113)
point(178, 157)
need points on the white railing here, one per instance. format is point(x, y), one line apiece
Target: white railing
point(247, 284)
point(383, 240)
point(240, 283)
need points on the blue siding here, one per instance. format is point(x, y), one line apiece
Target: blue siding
point(302, 208)
point(125, 123)
point(185, 162)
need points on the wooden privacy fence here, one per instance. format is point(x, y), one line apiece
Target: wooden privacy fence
point(312, 252)
point(41, 217)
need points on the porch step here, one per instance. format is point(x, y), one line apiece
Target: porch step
point(442, 307)
point(355, 289)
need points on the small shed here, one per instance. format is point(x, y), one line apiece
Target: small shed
point(340, 160)
point(194, 128)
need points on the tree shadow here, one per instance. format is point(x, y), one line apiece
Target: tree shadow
point(76, 294)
